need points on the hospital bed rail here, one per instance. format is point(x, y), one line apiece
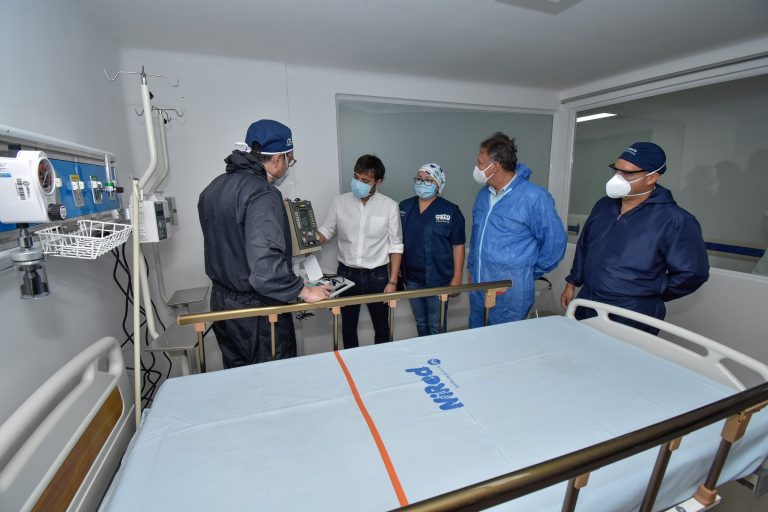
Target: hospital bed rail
point(491, 288)
point(61, 447)
point(576, 466)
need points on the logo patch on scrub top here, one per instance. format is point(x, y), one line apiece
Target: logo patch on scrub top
point(442, 217)
point(436, 389)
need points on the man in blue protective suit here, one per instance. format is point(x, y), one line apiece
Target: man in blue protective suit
point(638, 249)
point(516, 232)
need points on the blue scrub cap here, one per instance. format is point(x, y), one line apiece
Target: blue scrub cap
point(274, 137)
point(647, 156)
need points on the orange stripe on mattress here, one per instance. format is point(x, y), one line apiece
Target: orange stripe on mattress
point(375, 433)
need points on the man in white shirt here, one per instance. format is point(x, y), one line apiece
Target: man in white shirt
point(370, 245)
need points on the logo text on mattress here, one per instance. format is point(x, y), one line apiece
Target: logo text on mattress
point(437, 391)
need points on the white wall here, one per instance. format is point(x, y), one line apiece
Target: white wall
point(222, 96)
point(52, 83)
point(730, 307)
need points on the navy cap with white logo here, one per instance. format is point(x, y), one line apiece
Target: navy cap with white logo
point(273, 137)
point(647, 156)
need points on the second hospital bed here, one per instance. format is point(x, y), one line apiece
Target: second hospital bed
point(378, 427)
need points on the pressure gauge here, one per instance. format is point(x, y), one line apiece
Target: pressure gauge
point(46, 176)
point(28, 189)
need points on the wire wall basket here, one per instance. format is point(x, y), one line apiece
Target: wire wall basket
point(91, 239)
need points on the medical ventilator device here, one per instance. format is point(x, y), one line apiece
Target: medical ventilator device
point(305, 241)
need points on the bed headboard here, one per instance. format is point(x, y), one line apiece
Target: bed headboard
point(61, 448)
point(708, 360)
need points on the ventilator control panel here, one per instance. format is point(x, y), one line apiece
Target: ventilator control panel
point(301, 217)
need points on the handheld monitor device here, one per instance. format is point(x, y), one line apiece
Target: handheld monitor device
point(338, 283)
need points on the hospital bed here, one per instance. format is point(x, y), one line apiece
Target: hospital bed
point(385, 426)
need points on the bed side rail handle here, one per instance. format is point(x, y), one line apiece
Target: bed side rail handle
point(715, 352)
point(34, 419)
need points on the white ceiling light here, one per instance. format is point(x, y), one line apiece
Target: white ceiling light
point(594, 116)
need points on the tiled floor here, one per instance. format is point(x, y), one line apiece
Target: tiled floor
point(737, 498)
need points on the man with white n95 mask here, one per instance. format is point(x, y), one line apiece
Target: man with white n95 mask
point(638, 248)
point(248, 247)
point(516, 233)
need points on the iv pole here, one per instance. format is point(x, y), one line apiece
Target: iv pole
point(140, 281)
point(136, 196)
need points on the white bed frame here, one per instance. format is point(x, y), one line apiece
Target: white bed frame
point(710, 363)
point(61, 448)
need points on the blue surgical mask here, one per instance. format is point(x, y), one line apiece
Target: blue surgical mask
point(359, 189)
point(425, 190)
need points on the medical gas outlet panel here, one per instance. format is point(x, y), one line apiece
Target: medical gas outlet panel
point(35, 188)
point(304, 233)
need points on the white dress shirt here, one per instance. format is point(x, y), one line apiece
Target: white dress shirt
point(367, 233)
point(495, 196)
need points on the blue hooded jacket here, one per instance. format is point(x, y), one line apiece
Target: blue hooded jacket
point(520, 238)
point(652, 254)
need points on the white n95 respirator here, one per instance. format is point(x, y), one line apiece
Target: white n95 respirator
point(618, 186)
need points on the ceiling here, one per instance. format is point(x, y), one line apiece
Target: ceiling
point(552, 44)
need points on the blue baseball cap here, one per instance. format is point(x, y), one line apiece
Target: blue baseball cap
point(647, 156)
point(274, 138)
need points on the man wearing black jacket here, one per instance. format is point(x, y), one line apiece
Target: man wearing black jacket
point(248, 247)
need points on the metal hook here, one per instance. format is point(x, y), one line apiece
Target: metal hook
point(163, 110)
point(119, 73)
point(143, 74)
point(178, 79)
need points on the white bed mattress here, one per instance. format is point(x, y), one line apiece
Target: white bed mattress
point(289, 435)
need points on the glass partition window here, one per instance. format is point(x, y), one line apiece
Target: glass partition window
point(406, 136)
point(716, 141)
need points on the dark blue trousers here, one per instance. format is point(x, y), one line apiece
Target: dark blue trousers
point(366, 281)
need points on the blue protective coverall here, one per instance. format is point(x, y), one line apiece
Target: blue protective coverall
point(519, 238)
point(652, 254)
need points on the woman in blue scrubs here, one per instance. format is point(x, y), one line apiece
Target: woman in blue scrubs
point(434, 238)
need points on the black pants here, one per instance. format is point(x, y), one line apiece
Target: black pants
point(247, 341)
point(366, 282)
